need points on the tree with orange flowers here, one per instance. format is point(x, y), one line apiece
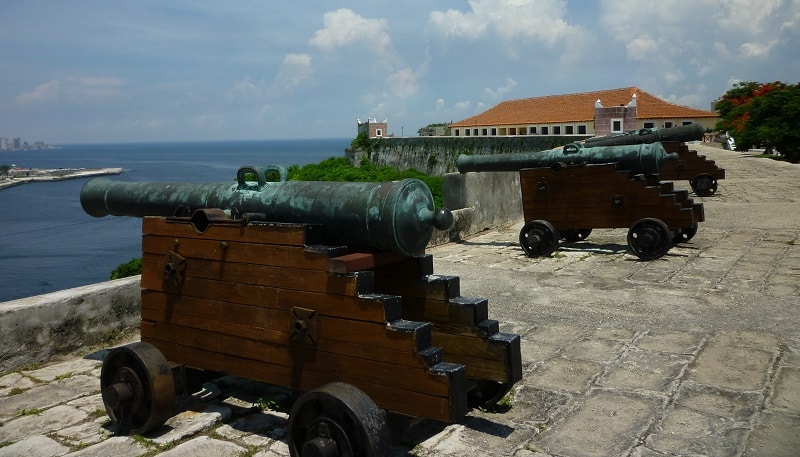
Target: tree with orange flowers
point(763, 114)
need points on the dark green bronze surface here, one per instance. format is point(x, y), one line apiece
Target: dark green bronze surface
point(683, 133)
point(396, 216)
point(637, 158)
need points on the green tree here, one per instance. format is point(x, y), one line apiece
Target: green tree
point(763, 114)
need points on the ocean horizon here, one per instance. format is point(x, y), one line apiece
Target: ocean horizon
point(48, 243)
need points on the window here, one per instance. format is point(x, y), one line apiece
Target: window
point(569, 130)
point(616, 125)
point(686, 123)
point(531, 130)
point(457, 132)
point(581, 130)
point(466, 132)
point(378, 132)
point(544, 131)
point(557, 130)
point(494, 131)
point(512, 131)
point(484, 132)
point(475, 132)
point(649, 125)
point(668, 124)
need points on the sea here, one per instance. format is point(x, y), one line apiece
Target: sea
point(47, 241)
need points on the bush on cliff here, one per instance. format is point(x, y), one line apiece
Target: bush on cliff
point(130, 268)
point(339, 169)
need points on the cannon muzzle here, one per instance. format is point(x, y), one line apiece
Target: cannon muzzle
point(683, 133)
point(394, 216)
point(637, 158)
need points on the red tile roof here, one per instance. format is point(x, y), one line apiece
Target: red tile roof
point(579, 108)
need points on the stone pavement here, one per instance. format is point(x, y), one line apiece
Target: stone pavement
point(693, 354)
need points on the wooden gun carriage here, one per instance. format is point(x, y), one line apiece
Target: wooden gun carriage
point(367, 334)
point(568, 202)
point(569, 191)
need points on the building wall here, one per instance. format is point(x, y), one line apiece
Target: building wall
point(373, 129)
point(604, 119)
point(546, 130)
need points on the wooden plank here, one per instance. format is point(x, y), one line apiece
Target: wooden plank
point(435, 287)
point(458, 314)
point(367, 308)
point(275, 326)
point(363, 261)
point(235, 251)
point(272, 297)
point(299, 357)
point(269, 233)
point(450, 408)
point(416, 267)
point(359, 349)
point(259, 275)
point(497, 358)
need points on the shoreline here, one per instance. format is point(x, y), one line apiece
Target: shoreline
point(57, 174)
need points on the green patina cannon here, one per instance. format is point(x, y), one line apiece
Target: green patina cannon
point(639, 158)
point(701, 173)
point(392, 216)
point(322, 288)
point(680, 134)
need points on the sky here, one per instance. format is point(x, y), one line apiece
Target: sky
point(98, 71)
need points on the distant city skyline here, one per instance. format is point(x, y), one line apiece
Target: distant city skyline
point(200, 70)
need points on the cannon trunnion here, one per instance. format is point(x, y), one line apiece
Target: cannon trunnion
point(365, 334)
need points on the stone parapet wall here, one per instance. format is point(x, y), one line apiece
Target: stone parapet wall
point(438, 155)
point(35, 329)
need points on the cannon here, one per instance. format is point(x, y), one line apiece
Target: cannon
point(394, 216)
point(680, 134)
point(362, 329)
point(702, 174)
point(638, 158)
point(566, 193)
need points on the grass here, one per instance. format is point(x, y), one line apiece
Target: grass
point(267, 405)
point(29, 412)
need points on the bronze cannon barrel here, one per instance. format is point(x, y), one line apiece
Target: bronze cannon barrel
point(394, 216)
point(637, 158)
point(682, 133)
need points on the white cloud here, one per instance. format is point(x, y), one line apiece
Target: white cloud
point(463, 105)
point(528, 20)
point(402, 83)
point(243, 90)
point(516, 23)
point(42, 93)
point(750, 17)
point(641, 48)
point(757, 49)
point(343, 28)
point(497, 94)
point(295, 70)
point(76, 89)
point(673, 77)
